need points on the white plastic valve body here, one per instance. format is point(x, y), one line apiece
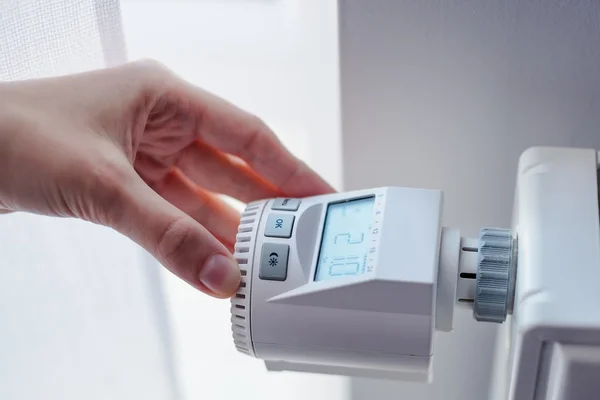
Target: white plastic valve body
point(379, 322)
point(553, 346)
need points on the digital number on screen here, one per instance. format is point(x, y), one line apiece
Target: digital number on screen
point(344, 244)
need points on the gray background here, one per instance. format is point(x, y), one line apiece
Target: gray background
point(449, 93)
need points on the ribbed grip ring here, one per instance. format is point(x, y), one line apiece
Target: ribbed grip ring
point(494, 286)
point(244, 254)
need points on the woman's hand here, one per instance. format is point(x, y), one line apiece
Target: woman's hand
point(140, 150)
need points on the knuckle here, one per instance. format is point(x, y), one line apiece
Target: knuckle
point(254, 135)
point(250, 142)
point(151, 66)
point(176, 243)
point(257, 138)
point(256, 122)
point(158, 88)
point(152, 77)
point(294, 173)
point(258, 127)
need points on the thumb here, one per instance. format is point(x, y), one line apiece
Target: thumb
point(178, 241)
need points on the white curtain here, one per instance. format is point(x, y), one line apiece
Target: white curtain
point(82, 314)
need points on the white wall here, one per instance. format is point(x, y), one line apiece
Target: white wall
point(277, 59)
point(447, 94)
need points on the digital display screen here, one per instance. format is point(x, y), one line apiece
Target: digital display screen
point(344, 244)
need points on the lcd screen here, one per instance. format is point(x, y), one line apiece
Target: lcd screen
point(344, 244)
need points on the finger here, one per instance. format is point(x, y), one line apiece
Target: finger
point(212, 170)
point(178, 241)
point(213, 213)
point(220, 173)
point(225, 127)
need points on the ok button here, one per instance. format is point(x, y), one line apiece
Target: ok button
point(279, 225)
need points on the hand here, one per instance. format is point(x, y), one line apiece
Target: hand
point(138, 149)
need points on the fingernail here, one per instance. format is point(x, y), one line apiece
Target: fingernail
point(221, 275)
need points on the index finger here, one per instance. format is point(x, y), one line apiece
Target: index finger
point(226, 127)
